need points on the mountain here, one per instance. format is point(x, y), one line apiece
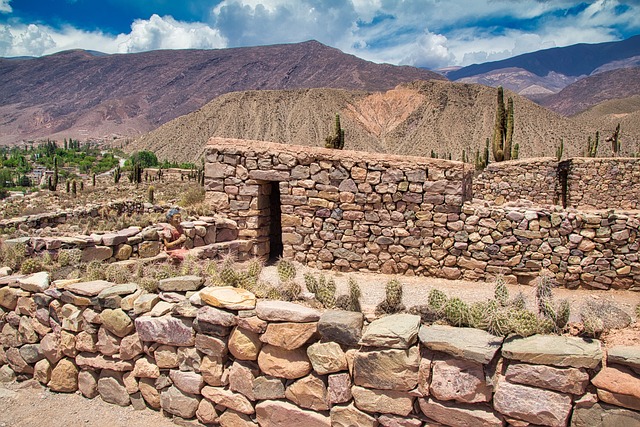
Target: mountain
point(544, 72)
point(590, 91)
point(85, 94)
point(411, 119)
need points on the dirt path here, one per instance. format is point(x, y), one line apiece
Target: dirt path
point(28, 404)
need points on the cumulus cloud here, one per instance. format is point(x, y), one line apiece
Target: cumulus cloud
point(5, 7)
point(167, 33)
point(155, 33)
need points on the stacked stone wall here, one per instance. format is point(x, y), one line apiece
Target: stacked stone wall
point(208, 236)
point(591, 183)
point(215, 355)
point(360, 212)
point(609, 183)
point(535, 180)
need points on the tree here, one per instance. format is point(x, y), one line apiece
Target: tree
point(145, 158)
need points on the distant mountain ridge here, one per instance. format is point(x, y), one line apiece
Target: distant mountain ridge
point(85, 94)
point(540, 74)
point(575, 60)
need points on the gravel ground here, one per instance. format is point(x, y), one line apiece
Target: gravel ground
point(28, 404)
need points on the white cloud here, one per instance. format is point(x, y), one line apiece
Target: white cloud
point(5, 7)
point(155, 33)
point(167, 33)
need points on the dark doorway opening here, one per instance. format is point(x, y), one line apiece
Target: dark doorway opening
point(275, 222)
point(563, 178)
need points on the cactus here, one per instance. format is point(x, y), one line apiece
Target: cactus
point(68, 186)
point(515, 154)
point(228, 274)
point(326, 294)
point(456, 312)
point(291, 291)
point(150, 194)
point(74, 188)
point(393, 290)
point(31, 265)
point(563, 313)
point(53, 182)
point(354, 295)
point(311, 282)
point(593, 326)
point(519, 302)
point(436, 301)
point(560, 149)
point(116, 175)
point(615, 141)
point(337, 139)
point(255, 268)
point(499, 322)
point(286, 270)
point(479, 314)
point(524, 323)
point(592, 149)
point(501, 292)
point(117, 274)
point(503, 128)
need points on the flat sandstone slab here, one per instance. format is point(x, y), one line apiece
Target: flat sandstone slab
point(89, 289)
point(466, 343)
point(554, 350)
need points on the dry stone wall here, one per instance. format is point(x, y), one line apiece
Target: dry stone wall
point(218, 356)
point(610, 183)
point(208, 237)
point(587, 183)
point(535, 180)
point(360, 212)
point(347, 209)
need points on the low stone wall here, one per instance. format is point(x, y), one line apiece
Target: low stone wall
point(581, 183)
point(208, 235)
point(598, 249)
point(52, 219)
point(216, 355)
point(535, 180)
point(609, 183)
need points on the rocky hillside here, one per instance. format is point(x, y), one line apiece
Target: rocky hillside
point(412, 119)
point(606, 116)
point(585, 93)
point(80, 94)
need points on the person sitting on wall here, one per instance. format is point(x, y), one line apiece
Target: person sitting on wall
point(173, 235)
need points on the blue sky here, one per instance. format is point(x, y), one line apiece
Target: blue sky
point(426, 33)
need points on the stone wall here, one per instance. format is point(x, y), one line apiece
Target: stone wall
point(591, 183)
point(610, 183)
point(535, 180)
point(216, 355)
point(358, 212)
point(352, 210)
point(209, 236)
point(52, 219)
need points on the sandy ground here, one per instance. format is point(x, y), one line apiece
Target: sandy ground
point(416, 290)
point(28, 404)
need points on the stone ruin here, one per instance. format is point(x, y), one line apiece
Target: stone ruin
point(217, 356)
point(356, 211)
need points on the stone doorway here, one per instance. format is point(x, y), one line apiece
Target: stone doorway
point(275, 221)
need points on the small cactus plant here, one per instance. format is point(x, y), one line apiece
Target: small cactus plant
point(456, 312)
point(150, 194)
point(436, 301)
point(311, 282)
point(501, 292)
point(393, 290)
point(286, 270)
point(326, 294)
